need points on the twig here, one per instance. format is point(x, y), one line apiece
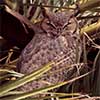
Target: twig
point(49, 6)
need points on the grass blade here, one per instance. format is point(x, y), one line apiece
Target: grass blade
point(23, 80)
point(37, 91)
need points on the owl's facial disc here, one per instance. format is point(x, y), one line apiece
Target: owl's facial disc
point(53, 29)
point(56, 24)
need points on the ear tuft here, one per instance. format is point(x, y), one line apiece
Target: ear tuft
point(45, 12)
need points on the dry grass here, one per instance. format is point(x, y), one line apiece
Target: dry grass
point(88, 69)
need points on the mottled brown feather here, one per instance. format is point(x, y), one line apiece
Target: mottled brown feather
point(57, 35)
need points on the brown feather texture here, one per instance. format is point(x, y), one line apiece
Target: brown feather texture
point(56, 37)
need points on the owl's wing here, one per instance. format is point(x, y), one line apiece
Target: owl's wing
point(32, 48)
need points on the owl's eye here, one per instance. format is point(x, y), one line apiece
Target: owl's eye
point(51, 24)
point(66, 25)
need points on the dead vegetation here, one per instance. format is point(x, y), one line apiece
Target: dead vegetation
point(17, 24)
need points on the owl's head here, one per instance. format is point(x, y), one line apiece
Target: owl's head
point(58, 23)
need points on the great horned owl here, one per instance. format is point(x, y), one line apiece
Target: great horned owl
point(57, 36)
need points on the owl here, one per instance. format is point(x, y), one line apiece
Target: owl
point(56, 37)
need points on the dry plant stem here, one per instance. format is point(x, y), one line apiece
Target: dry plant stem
point(84, 49)
point(83, 7)
point(86, 79)
point(91, 98)
point(24, 80)
point(37, 91)
point(36, 14)
point(89, 5)
point(9, 56)
point(3, 59)
point(88, 17)
point(94, 44)
point(67, 66)
point(91, 28)
point(51, 6)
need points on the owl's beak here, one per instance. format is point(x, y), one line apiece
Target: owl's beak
point(59, 30)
